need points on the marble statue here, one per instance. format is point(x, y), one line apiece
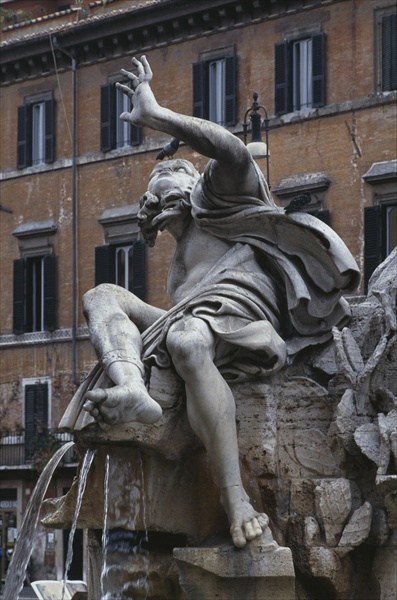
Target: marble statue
point(251, 287)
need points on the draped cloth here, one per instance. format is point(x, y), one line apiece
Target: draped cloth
point(277, 290)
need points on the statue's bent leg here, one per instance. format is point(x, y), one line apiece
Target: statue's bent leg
point(115, 319)
point(211, 414)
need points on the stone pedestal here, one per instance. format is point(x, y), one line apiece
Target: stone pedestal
point(260, 571)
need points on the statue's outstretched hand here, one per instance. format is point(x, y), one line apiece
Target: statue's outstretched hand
point(142, 98)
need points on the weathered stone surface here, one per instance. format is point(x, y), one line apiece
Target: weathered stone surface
point(357, 528)
point(334, 503)
point(260, 570)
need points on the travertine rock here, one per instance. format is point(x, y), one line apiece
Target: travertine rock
point(334, 503)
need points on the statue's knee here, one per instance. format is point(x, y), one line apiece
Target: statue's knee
point(100, 293)
point(188, 350)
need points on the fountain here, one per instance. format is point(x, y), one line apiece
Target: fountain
point(260, 390)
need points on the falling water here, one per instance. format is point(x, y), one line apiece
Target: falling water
point(124, 550)
point(85, 467)
point(105, 524)
point(23, 547)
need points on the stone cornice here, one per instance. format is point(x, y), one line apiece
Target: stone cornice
point(134, 30)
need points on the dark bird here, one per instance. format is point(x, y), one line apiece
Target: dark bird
point(169, 149)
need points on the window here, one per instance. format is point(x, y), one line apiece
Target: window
point(386, 21)
point(305, 192)
point(114, 132)
point(36, 416)
point(380, 220)
point(35, 288)
point(122, 260)
point(36, 131)
point(300, 74)
point(34, 294)
point(380, 235)
point(123, 265)
point(214, 89)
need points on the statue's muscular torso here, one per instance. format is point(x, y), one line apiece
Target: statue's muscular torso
point(195, 254)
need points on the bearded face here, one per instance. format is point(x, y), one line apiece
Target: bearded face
point(167, 198)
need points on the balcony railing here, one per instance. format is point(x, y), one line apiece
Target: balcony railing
point(17, 448)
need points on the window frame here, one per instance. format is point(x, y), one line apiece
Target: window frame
point(285, 75)
point(382, 177)
point(121, 230)
point(380, 15)
point(35, 386)
point(35, 247)
point(36, 139)
point(110, 122)
point(202, 86)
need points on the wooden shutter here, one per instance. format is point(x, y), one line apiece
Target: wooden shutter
point(36, 413)
point(104, 264)
point(108, 130)
point(135, 135)
point(324, 216)
point(49, 108)
point(389, 52)
point(19, 296)
point(372, 241)
point(200, 108)
point(24, 137)
point(230, 90)
point(281, 92)
point(50, 293)
point(318, 69)
point(139, 270)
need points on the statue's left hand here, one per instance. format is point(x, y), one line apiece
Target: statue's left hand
point(143, 101)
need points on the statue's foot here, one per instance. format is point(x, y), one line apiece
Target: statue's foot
point(246, 523)
point(123, 403)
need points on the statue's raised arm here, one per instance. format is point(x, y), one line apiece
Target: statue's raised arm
point(205, 137)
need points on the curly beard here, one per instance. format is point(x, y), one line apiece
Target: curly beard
point(155, 212)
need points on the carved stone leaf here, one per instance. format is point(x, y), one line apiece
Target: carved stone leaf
point(358, 527)
point(367, 439)
point(313, 452)
point(334, 503)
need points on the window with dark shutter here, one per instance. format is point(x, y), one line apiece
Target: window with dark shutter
point(389, 52)
point(282, 101)
point(104, 264)
point(24, 137)
point(300, 70)
point(107, 109)
point(123, 265)
point(199, 108)
point(49, 131)
point(19, 296)
point(214, 89)
point(324, 216)
point(372, 242)
point(318, 70)
point(35, 294)
point(135, 135)
point(36, 131)
point(36, 416)
point(230, 91)
point(139, 270)
point(50, 293)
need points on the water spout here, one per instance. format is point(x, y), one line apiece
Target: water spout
point(23, 547)
point(85, 468)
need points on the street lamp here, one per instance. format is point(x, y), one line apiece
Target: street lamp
point(256, 147)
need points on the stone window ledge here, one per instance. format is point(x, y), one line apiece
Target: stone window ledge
point(42, 337)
